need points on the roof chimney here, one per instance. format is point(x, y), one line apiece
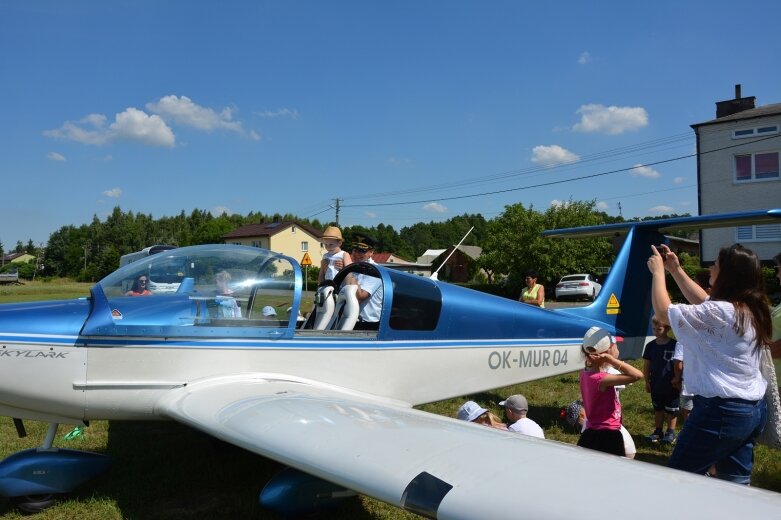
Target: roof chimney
point(733, 106)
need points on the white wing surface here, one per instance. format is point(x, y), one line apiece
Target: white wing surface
point(441, 467)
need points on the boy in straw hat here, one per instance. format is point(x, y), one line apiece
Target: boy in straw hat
point(335, 259)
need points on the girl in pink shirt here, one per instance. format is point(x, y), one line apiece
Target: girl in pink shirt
point(600, 399)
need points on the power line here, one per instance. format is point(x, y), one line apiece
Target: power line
point(562, 181)
point(605, 156)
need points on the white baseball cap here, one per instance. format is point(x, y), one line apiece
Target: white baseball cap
point(470, 411)
point(597, 340)
point(268, 310)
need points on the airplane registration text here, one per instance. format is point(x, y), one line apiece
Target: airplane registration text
point(538, 357)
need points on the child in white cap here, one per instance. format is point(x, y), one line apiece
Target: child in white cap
point(600, 399)
point(472, 412)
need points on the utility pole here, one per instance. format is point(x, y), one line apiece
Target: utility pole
point(338, 201)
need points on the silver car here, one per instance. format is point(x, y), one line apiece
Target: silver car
point(576, 286)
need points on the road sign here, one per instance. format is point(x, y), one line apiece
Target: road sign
point(306, 261)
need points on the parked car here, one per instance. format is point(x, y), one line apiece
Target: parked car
point(577, 286)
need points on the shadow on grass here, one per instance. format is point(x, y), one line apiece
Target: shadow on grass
point(167, 470)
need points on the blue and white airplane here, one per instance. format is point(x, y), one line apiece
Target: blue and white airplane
point(333, 403)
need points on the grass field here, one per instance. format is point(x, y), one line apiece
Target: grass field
point(168, 471)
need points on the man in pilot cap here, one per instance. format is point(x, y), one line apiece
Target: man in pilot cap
point(370, 292)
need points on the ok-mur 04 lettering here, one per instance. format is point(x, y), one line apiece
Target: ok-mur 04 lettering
point(532, 357)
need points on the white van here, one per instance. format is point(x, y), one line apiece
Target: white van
point(165, 278)
point(151, 250)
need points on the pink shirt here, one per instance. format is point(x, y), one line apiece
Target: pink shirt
point(603, 409)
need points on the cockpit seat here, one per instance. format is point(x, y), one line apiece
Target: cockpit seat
point(347, 308)
point(324, 307)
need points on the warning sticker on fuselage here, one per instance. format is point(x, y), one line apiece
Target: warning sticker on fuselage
point(613, 307)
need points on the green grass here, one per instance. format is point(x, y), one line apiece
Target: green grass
point(165, 470)
point(49, 290)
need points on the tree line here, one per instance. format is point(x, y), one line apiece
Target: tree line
point(511, 242)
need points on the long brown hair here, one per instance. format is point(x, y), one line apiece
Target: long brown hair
point(740, 282)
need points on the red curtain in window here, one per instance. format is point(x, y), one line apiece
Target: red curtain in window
point(766, 165)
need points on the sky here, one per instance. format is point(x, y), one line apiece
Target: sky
point(405, 111)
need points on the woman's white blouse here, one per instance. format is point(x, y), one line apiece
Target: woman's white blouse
point(719, 361)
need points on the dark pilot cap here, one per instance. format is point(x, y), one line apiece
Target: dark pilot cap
point(363, 243)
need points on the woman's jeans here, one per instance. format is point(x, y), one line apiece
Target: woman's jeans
point(720, 432)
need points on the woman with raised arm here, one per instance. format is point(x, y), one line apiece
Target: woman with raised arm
point(723, 334)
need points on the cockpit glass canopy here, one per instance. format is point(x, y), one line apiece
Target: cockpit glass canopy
point(253, 279)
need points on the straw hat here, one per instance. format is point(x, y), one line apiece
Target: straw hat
point(333, 232)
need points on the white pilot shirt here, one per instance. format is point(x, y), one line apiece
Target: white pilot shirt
point(371, 307)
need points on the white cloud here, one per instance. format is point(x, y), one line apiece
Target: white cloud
point(585, 57)
point(679, 180)
point(552, 155)
point(661, 209)
point(644, 171)
point(130, 125)
point(602, 205)
point(399, 161)
point(182, 111)
point(151, 129)
point(556, 203)
point(114, 193)
point(435, 207)
point(216, 211)
point(54, 156)
point(280, 112)
point(370, 214)
point(88, 130)
point(136, 125)
point(610, 120)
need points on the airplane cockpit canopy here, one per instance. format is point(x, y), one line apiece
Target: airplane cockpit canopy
point(232, 291)
point(177, 292)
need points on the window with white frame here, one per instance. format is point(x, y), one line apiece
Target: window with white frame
point(756, 166)
point(255, 243)
point(304, 246)
point(763, 233)
point(292, 229)
point(755, 132)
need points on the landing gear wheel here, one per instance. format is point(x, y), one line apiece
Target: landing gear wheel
point(34, 503)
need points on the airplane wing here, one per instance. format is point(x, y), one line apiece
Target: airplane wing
point(436, 466)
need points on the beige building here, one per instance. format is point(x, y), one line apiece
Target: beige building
point(289, 238)
point(738, 170)
point(17, 258)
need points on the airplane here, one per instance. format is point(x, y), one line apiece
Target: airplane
point(335, 404)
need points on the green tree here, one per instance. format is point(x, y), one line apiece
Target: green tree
point(514, 243)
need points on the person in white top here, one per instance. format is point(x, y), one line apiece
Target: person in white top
point(334, 260)
point(516, 407)
point(687, 399)
point(370, 292)
point(722, 337)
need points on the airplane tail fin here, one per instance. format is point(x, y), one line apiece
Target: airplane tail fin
point(624, 303)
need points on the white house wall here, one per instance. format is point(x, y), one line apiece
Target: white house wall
point(718, 191)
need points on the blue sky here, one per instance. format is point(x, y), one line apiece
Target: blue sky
point(407, 111)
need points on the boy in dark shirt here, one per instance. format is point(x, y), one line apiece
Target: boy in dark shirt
point(658, 373)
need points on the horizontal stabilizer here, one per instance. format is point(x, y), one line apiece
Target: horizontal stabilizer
point(667, 225)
